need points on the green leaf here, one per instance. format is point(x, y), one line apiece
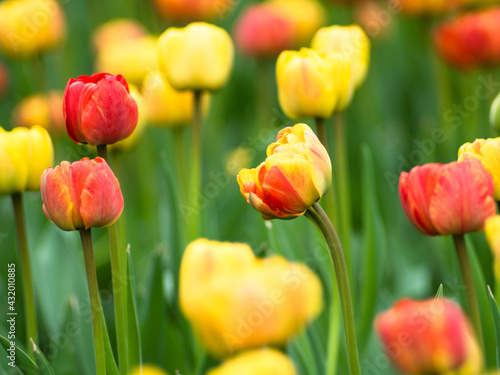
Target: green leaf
point(134, 339)
point(111, 367)
point(496, 319)
point(23, 361)
point(44, 367)
point(439, 293)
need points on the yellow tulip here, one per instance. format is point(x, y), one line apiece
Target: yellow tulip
point(24, 155)
point(260, 361)
point(197, 57)
point(132, 58)
point(165, 105)
point(235, 301)
point(29, 27)
point(307, 16)
point(312, 84)
point(147, 370)
point(349, 41)
point(492, 231)
point(487, 151)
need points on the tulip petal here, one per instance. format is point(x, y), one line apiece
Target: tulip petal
point(72, 110)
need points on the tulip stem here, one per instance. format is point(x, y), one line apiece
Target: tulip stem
point(318, 216)
point(470, 290)
point(119, 277)
point(196, 171)
point(29, 295)
point(95, 303)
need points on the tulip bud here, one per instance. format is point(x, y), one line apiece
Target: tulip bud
point(24, 155)
point(429, 337)
point(81, 195)
point(445, 199)
point(30, 27)
point(261, 32)
point(132, 58)
point(99, 109)
point(196, 57)
point(492, 231)
point(260, 361)
point(116, 31)
point(235, 301)
point(487, 151)
point(495, 113)
point(147, 370)
point(296, 173)
point(349, 41)
point(165, 105)
point(41, 109)
point(193, 10)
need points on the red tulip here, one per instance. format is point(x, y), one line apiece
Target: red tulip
point(429, 337)
point(443, 199)
point(99, 109)
point(81, 195)
point(260, 31)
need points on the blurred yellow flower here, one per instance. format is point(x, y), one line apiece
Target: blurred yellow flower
point(239, 158)
point(349, 41)
point(147, 370)
point(235, 301)
point(313, 84)
point(132, 58)
point(41, 109)
point(196, 57)
point(24, 155)
point(165, 105)
point(29, 27)
point(116, 31)
point(487, 151)
point(492, 231)
point(260, 361)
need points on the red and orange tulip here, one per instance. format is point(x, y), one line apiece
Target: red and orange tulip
point(193, 10)
point(296, 173)
point(81, 195)
point(445, 199)
point(99, 109)
point(429, 337)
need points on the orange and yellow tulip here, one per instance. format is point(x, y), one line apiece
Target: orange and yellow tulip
point(41, 109)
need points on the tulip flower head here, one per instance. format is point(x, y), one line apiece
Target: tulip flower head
point(81, 195)
point(260, 361)
point(492, 230)
point(495, 113)
point(116, 31)
point(236, 301)
point(196, 57)
point(429, 337)
point(447, 199)
point(349, 41)
point(24, 155)
point(296, 173)
point(193, 10)
point(99, 109)
point(487, 151)
point(313, 84)
point(41, 109)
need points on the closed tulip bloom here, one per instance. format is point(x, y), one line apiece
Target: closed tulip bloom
point(446, 199)
point(41, 109)
point(29, 27)
point(296, 173)
point(261, 32)
point(495, 113)
point(193, 10)
point(24, 155)
point(348, 41)
point(132, 58)
point(260, 361)
point(167, 106)
point(116, 31)
point(99, 109)
point(196, 57)
point(235, 301)
point(492, 231)
point(487, 151)
point(429, 337)
point(81, 195)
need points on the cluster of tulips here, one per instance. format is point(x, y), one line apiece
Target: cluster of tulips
point(243, 309)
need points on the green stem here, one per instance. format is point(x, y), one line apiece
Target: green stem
point(196, 172)
point(344, 196)
point(29, 295)
point(330, 197)
point(180, 160)
point(316, 214)
point(333, 332)
point(95, 302)
point(470, 290)
point(119, 277)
